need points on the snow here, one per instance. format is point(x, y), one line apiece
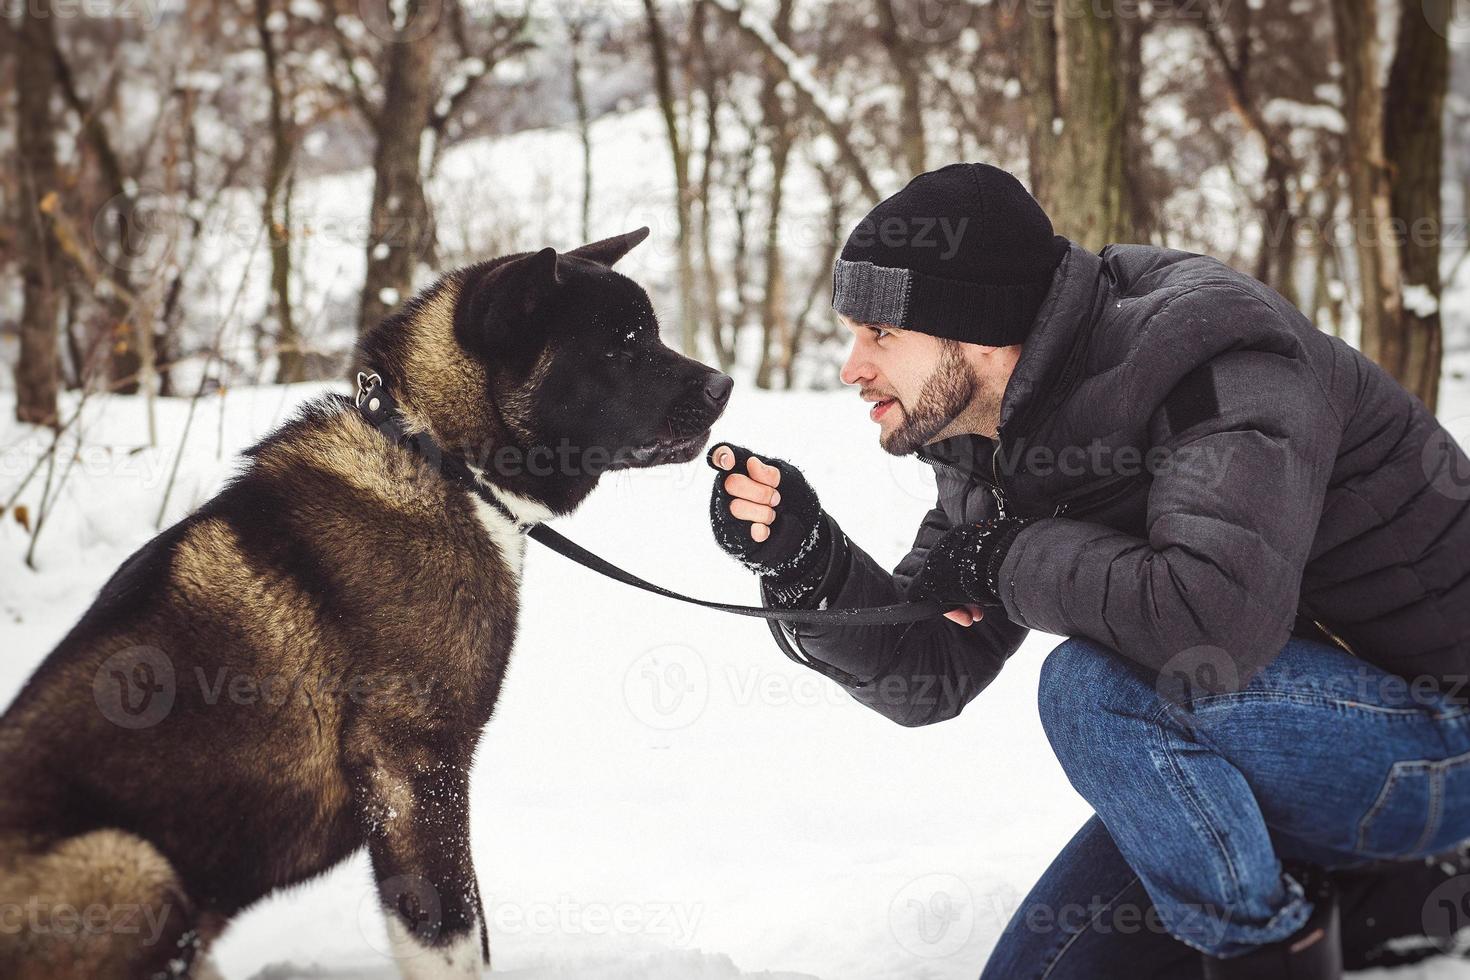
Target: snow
point(1302, 115)
point(660, 795)
point(1419, 301)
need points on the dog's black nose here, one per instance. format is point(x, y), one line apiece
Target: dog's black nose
point(717, 389)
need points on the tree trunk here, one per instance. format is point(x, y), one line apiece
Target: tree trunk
point(400, 231)
point(275, 208)
point(809, 103)
point(576, 30)
point(911, 116)
point(774, 317)
point(1078, 119)
point(127, 364)
point(709, 84)
point(1414, 146)
point(1141, 193)
point(1381, 305)
point(1276, 261)
point(664, 85)
point(38, 373)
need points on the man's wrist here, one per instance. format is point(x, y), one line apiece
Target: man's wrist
point(964, 564)
point(806, 583)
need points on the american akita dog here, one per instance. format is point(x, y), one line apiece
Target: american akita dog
point(303, 666)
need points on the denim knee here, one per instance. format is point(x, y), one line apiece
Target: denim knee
point(1074, 677)
point(1090, 701)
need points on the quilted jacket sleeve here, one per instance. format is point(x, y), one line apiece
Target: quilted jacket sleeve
point(1248, 440)
point(912, 673)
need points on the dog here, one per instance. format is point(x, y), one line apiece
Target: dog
point(303, 666)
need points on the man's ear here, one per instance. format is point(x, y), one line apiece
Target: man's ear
point(609, 250)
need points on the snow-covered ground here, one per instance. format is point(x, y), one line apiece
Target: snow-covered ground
point(661, 795)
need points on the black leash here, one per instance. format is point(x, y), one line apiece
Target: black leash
point(378, 409)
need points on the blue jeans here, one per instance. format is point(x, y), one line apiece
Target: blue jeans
point(1320, 758)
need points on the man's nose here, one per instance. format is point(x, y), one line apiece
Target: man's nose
point(856, 368)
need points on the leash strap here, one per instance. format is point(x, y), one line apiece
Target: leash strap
point(902, 612)
point(379, 409)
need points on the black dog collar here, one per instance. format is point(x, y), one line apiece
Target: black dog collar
point(380, 410)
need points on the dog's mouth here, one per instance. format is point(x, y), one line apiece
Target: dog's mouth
point(666, 449)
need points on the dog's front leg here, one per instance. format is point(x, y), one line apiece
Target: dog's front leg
point(415, 813)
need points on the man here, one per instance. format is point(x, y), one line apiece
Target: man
point(1256, 542)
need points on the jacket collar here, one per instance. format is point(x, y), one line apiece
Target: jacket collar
point(1065, 319)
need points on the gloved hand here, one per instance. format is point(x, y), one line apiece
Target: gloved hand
point(766, 515)
point(964, 564)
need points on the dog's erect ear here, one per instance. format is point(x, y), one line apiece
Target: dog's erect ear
point(497, 307)
point(609, 250)
point(533, 277)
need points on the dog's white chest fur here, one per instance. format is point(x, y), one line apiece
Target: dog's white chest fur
point(507, 538)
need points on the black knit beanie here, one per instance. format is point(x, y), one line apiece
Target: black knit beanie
point(962, 252)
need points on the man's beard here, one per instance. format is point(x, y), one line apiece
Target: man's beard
point(949, 391)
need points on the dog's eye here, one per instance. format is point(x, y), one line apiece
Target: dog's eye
point(622, 353)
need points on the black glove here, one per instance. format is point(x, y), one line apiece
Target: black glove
point(800, 541)
point(963, 566)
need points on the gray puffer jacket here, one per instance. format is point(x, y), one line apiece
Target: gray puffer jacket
point(1210, 474)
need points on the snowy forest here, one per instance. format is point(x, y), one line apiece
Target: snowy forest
point(203, 206)
point(226, 193)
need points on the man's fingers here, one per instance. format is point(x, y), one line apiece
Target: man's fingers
point(747, 510)
point(743, 486)
point(724, 457)
point(967, 616)
point(763, 472)
point(759, 532)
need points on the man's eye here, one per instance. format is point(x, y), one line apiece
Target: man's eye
point(879, 333)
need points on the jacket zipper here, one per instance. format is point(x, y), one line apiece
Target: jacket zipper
point(995, 488)
point(1335, 638)
point(1070, 367)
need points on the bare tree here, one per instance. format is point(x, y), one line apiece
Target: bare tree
point(1414, 150)
point(1381, 306)
point(1077, 125)
point(38, 373)
point(1276, 260)
point(813, 104)
point(429, 67)
point(398, 222)
point(658, 45)
point(710, 156)
point(576, 21)
point(906, 67)
point(275, 209)
point(779, 131)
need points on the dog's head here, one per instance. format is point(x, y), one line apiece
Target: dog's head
point(547, 370)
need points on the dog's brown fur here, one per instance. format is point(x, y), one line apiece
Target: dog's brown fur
point(337, 624)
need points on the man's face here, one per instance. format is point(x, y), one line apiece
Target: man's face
point(925, 389)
